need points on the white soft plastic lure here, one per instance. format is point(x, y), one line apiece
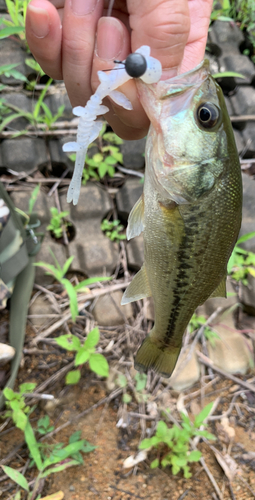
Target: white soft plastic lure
point(146, 67)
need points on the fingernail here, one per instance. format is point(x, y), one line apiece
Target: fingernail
point(39, 21)
point(109, 38)
point(83, 7)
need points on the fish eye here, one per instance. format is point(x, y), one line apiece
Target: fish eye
point(208, 115)
point(135, 65)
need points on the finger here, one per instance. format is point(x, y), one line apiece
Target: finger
point(113, 42)
point(78, 42)
point(164, 26)
point(43, 33)
point(200, 11)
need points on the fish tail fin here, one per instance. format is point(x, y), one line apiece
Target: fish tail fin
point(149, 355)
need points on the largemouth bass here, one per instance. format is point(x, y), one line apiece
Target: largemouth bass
point(190, 211)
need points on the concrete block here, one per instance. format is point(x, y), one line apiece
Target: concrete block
point(41, 206)
point(58, 158)
point(128, 196)
point(232, 352)
point(20, 101)
point(249, 138)
point(133, 154)
point(54, 101)
point(40, 306)
point(135, 253)
point(2, 6)
point(186, 372)
point(24, 154)
point(95, 255)
point(227, 35)
point(238, 63)
point(240, 142)
point(11, 52)
point(44, 256)
point(94, 202)
point(108, 310)
point(243, 101)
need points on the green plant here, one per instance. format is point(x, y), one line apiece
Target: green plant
point(113, 229)
point(17, 10)
point(173, 444)
point(16, 406)
point(9, 70)
point(85, 352)
point(59, 273)
point(57, 222)
point(198, 321)
point(58, 458)
point(242, 262)
point(223, 13)
point(35, 117)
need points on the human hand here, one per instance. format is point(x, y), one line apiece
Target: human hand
point(72, 40)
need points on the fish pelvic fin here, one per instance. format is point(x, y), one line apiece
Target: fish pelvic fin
point(220, 291)
point(139, 287)
point(135, 219)
point(149, 355)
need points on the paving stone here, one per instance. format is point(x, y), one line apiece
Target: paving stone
point(127, 196)
point(238, 63)
point(60, 98)
point(247, 295)
point(108, 310)
point(232, 352)
point(44, 256)
point(248, 222)
point(249, 139)
point(2, 6)
point(186, 372)
point(40, 306)
point(133, 154)
point(227, 36)
point(20, 101)
point(93, 252)
point(57, 155)
point(135, 253)
point(240, 142)
point(41, 206)
point(7, 353)
point(243, 101)
point(24, 154)
point(11, 52)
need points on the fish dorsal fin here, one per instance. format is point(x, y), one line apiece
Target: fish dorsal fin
point(135, 219)
point(220, 291)
point(139, 288)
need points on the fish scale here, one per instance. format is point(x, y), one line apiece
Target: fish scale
point(190, 212)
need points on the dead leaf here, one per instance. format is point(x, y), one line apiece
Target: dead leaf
point(55, 496)
point(134, 460)
point(227, 463)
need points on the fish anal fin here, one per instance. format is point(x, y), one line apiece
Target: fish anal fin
point(135, 219)
point(220, 291)
point(149, 355)
point(139, 288)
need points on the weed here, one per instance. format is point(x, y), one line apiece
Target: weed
point(242, 262)
point(173, 444)
point(48, 459)
point(113, 229)
point(17, 10)
point(196, 322)
point(84, 353)
point(59, 273)
point(9, 70)
point(57, 222)
point(35, 117)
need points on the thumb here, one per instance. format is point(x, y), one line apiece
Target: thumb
point(164, 26)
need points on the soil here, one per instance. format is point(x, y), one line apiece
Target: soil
point(102, 475)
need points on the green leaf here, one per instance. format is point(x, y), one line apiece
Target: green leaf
point(91, 281)
point(194, 456)
point(99, 365)
point(67, 342)
point(33, 198)
point(203, 414)
point(12, 30)
point(27, 387)
point(141, 380)
point(8, 393)
point(154, 463)
point(73, 377)
point(126, 398)
point(81, 357)
point(20, 419)
point(121, 380)
point(227, 74)
point(59, 468)
point(63, 453)
point(246, 237)
point(16, 476)
point(73, 298)
point(87, 447)
point(92, 338)
point(102, 169)
point(33, 445)
point(76, 436)
point(145, 444)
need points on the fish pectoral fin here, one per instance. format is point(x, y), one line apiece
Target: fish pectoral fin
point(139, 288)
point(220, 291)
point(135, 219)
